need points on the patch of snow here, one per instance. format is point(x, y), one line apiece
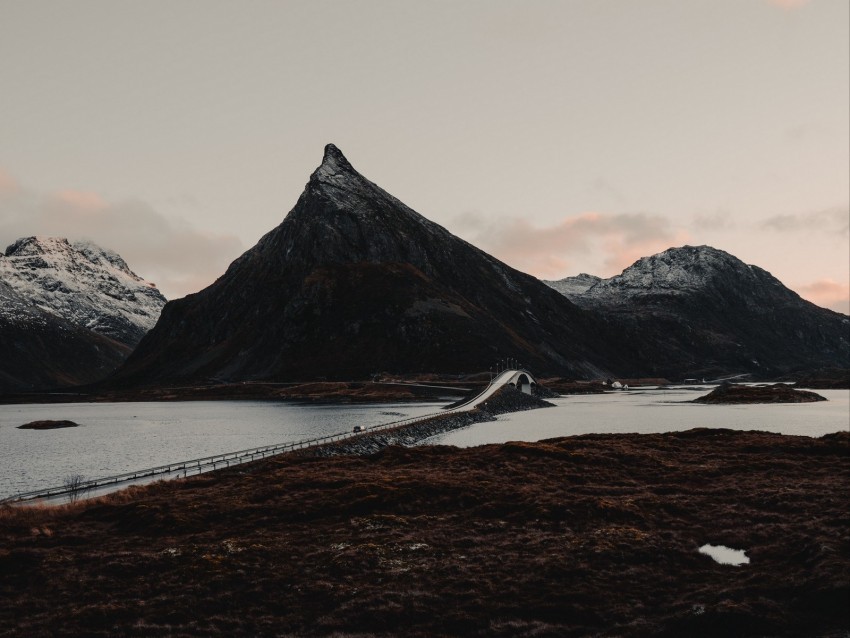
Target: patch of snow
point(676, 271)
point(82, 283)
point(573, 286)
point(725, 555)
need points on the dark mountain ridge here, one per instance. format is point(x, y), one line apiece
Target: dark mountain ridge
point(699, 311)
point(354, 282)
point(40, 351)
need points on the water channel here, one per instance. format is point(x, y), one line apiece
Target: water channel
point(120, 437)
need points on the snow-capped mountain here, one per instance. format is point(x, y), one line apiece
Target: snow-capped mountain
point(573, 286)
point(689, 269)
point(83, 284)
point(699, 311)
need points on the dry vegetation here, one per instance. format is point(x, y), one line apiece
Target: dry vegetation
point(590, 535)
point(728, 393)
point(320, 391)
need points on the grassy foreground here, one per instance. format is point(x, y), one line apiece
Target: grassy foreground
point(589, 535)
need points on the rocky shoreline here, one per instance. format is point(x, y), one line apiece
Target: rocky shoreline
point(506, 400)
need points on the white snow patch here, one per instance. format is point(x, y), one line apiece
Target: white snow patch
point(725, 555)
point(80, 282)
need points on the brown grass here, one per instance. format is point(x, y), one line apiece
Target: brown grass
point(591, 535)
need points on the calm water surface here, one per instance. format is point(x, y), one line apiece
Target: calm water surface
point(651, 411)
point(120, 437)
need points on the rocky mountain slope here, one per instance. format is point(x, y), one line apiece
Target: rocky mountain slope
point(91, 287)
point(40, 351)
point(354, 282)
point(699, 311)
point(572, 286)
point(69, 313)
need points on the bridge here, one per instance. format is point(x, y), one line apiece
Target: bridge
point(519, 378)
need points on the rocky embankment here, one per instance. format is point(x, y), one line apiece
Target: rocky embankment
point(777, 393)
point(506, 400)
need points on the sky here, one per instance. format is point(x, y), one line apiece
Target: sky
point(561, 136)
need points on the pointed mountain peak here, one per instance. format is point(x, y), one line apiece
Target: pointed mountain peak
point(334, 164)
point(334, 156)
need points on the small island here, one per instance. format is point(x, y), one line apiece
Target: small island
point(777, 393)
point(48, 425)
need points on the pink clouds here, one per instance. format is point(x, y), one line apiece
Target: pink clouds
point(827, 293)
point(611, 242)
point(789, 4)
point(81, 200)
point(177, 256)
point(8, 184)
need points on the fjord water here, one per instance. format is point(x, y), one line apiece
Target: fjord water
point(122, 437)
point(114, 438)
point(652, 411)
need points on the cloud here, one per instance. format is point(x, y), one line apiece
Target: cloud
point(788, 4)
point(8, 185)
point(831, 221)
point(91, 202)
point(172, 253)
point(718, 220)
point(827, 293)
point(610, 242)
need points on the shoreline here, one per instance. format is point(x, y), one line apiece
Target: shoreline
point(341, 392)
point(369, 441)
point(501, 540)
point(400, 389)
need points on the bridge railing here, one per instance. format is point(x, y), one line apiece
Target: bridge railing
point(227, 459)
point(205, 463)
point(473, 400)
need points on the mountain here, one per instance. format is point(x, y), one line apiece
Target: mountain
point(40, 351)
point(572, 286)
point(69, 313)
point(91, 287)
point(353, 282)
point(699, 311)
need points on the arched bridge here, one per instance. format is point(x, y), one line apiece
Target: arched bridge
point(521, 379)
